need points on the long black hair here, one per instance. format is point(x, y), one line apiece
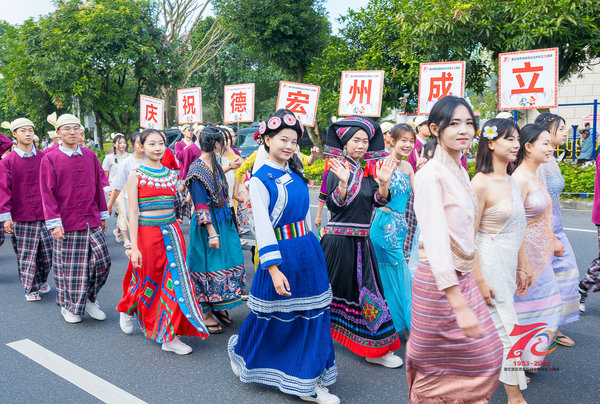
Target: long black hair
point(529, 134)
point(442, 112)
point(115, 141)
point(484, 159)
point(209, 137)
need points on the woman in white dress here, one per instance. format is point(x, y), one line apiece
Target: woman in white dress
point(500, 227)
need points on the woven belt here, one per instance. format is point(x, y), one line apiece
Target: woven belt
point(346, 231)
point(157, 221)
point(292, 230)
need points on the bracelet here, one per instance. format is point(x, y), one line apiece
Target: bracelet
point(341, 186)
point(213, 237)
point(522, 270)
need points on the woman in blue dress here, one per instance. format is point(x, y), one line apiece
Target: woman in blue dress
point(389, 228)
point(215, 255)
point(563, 262)
point(285, 341)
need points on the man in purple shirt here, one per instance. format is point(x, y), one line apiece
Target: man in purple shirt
point(71, 183)
point(21, 210)
point(5, 144)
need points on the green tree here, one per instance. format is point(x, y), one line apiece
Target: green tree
point(286, 33)
point(105, 52)
point(233, 66)
point(397, 35)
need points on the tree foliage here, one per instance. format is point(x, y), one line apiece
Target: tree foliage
point(397, 35)
point(232, 65)
point(105, 52)
point(286, 33)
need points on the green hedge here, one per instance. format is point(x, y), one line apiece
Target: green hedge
point(577, 179)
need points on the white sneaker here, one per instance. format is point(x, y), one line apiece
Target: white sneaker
point(126, 323)
point(322, 396)
point(176, 346)
point(389, 360)
point(235, 369)
point(70, 317)
point(94, 311)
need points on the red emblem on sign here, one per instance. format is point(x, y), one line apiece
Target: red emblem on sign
point(362, 90)
point(151, 113)
point(440, 86)
point(238, 102)
point(527, 68)
point(296, 101)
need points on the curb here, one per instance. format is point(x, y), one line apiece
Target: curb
point(576, 205)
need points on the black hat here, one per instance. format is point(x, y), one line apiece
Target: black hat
point(282, 119)
point(340, 132)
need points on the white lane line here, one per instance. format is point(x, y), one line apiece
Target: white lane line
point(89, 382)
point(582, 230)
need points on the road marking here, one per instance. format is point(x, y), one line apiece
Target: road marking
point(582, 230)
point(89, 382)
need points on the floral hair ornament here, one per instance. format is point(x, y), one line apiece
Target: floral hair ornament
point(491, 132)
point(282, 119)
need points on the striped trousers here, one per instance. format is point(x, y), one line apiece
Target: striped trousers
point(81, 264)
point(34, 253)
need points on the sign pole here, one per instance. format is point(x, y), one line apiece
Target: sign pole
point(594, 127)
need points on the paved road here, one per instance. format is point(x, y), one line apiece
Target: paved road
point(138, 366)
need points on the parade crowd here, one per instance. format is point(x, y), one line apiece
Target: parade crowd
point(413, 250)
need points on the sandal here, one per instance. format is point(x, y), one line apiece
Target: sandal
point(118, 235)
point(214, 328)
point(223, 317)
point(33, 297)
point(564, 340)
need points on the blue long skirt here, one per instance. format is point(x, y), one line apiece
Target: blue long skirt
point(285, 341)
point(219, 275)
point(387, 237)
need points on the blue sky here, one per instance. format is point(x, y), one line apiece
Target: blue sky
point(15, 12)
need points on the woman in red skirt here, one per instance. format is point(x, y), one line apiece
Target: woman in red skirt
point(157, 286)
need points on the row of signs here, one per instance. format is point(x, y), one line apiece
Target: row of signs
point(527, 79)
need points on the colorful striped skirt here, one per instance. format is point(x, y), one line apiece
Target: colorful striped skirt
point(161, 292)
point(442, 364)
point(540, 306)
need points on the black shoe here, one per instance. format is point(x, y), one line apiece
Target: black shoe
point(582, 295)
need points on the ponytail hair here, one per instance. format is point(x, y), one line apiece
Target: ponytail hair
point(209, 137)
point(529, 134)
point(115, 141)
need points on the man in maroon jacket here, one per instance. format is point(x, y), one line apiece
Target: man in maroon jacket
point(21, 210)
point(71, 183)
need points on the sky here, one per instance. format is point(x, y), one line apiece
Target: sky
point(17, 11)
